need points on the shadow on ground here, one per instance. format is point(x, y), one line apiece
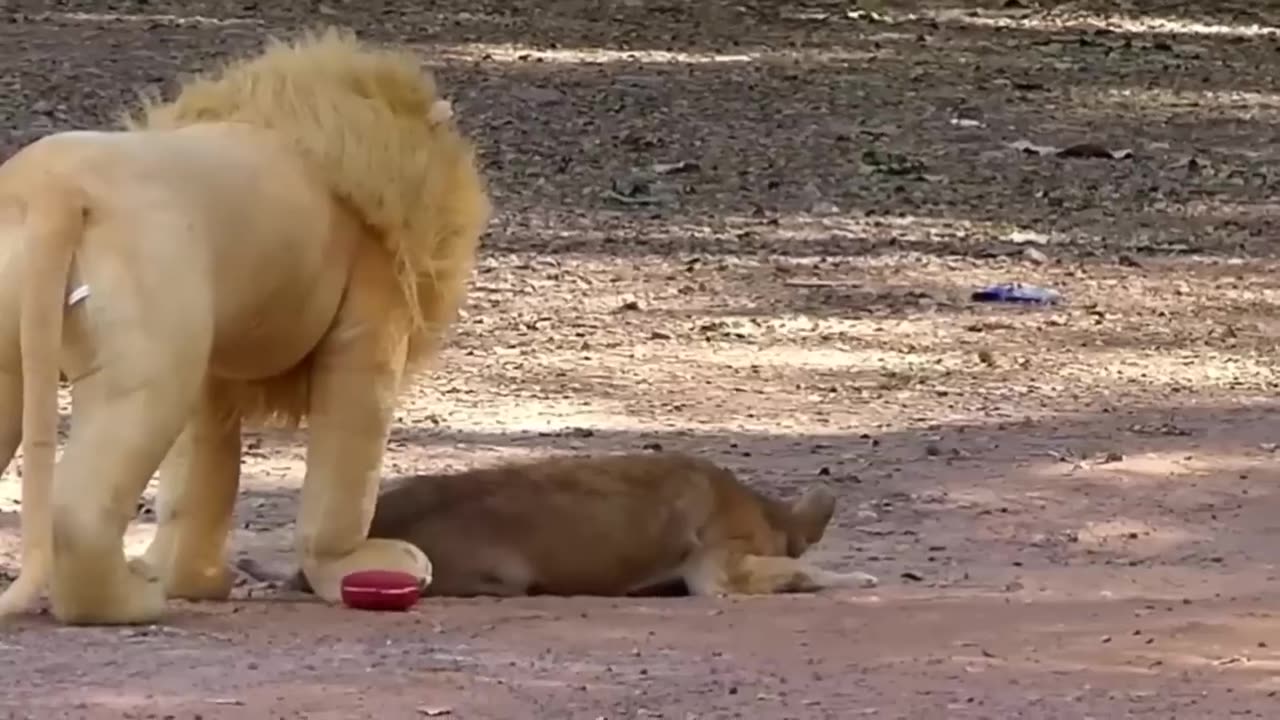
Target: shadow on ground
point(905, 115)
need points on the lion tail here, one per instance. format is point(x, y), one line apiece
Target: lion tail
point(55, 224)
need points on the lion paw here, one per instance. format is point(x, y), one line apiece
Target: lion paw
point(137, 597)
point(325, 577)
point(211, 582)
point(22, 595)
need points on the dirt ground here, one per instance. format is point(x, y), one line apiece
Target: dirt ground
point(750, 230)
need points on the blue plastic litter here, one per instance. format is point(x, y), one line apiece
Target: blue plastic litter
point(1014, 292)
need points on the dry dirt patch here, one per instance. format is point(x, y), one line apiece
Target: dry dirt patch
point(750, 230)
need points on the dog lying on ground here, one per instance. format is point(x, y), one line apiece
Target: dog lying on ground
point(628, 524)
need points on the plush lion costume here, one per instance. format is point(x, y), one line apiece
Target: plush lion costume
point(289, 238)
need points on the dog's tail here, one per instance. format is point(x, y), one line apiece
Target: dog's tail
point(54, 225)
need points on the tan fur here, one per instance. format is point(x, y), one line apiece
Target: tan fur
point(286, 240)
point(58, 221)
point(630, 524)
point(372, 125)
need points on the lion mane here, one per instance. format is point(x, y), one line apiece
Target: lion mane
point(369, 120)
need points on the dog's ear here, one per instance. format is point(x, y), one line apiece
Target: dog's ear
point(810, 514)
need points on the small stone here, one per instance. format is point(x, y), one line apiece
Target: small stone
point(1033, 255)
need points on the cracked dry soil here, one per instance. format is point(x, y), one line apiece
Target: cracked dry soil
point(750, 229)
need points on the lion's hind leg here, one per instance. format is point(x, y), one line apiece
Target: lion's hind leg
point(120, 437)
point(195, 502)
point(137, 358)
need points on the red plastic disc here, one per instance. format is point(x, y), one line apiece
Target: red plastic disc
point(380, 590)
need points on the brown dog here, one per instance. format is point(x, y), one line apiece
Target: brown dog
point(630, 524)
